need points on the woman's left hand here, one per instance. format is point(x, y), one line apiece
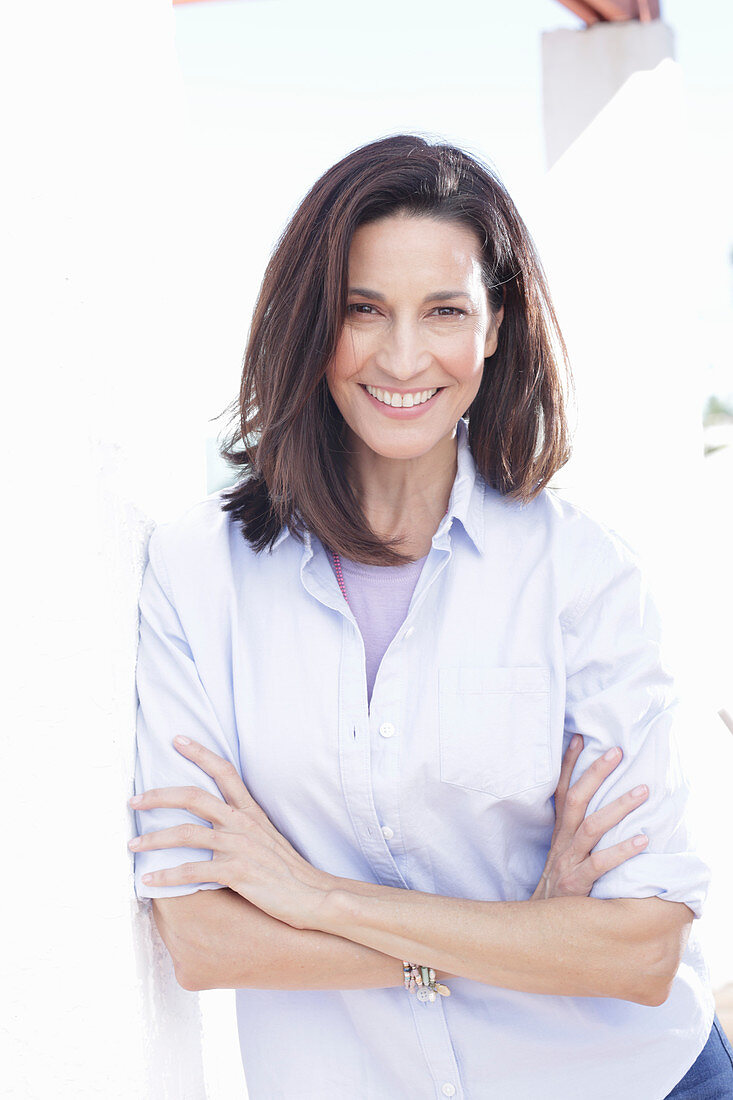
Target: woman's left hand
point(249, 855)
point(573, 866)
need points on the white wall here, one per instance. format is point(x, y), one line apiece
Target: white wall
point(583, 69)
point(102, 430)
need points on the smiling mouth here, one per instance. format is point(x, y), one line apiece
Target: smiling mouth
point(402, 401)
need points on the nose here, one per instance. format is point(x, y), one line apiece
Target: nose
point(403, 353)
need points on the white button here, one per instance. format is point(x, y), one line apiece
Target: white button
point(448, 1089)
point(386, 729)
point(387, 833)
point(410, 630)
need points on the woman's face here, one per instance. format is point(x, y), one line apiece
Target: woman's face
point(418, 325)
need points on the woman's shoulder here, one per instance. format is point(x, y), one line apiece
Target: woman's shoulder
point(198, 555)
point(596, 558)
point(572, 527)
point(202, 531)
point(581, 552)
point(196, 560)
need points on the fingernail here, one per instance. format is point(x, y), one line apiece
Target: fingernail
point(136, 800)
point(637, 791)
point(134, 843)
point(181, 740)
point(640, 841)
point(575, 741)
point(612, 754)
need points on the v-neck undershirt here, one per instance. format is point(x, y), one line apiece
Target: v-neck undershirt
point(379, 596)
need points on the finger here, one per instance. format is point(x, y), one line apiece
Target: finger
point(228, 780)
point(597, 824)
point(579, 795)
point(572, 753)
point(225, 774)
point(203, 870)
point(180, 836)
point(197, 801)
point(605, 860)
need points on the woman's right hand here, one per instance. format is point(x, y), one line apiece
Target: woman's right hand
point(572, 867)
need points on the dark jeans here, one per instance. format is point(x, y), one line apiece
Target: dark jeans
point(710, 1077)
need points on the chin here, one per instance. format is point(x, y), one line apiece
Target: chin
point(412, 445)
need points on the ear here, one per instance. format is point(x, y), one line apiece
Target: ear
point(492, 336)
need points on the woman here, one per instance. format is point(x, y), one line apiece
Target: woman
point(389, 646)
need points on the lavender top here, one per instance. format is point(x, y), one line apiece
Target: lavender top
point(379, 596)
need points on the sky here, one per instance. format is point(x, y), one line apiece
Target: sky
point(294, 84)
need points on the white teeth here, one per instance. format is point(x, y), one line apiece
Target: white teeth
point(397, 401)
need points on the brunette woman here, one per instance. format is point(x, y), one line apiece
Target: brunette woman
point(430, 794)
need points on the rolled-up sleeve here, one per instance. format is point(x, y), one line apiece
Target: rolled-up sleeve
point(619, 691)
point(171, 700)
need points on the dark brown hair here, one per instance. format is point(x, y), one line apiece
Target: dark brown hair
point(288, 434)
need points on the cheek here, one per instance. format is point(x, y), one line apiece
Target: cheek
point(347, 359)
point(466, 359)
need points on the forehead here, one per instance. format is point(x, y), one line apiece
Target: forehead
point(417, 248)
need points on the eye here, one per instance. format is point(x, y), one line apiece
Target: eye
point(450, 311)
point(357, 307)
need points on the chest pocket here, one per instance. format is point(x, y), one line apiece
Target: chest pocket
point(494, 729)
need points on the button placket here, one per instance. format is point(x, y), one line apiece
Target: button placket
point(432, 1028)
point(388, 730)
point(356, 737)
point(386, 714)
point(384, 702)
point(385, 756)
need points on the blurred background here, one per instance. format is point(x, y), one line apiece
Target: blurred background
point(155, 152)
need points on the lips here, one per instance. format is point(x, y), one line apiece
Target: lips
point(402, 399)
point(403, 412)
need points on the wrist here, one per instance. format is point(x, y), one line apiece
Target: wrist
point(345, 909)
point(337, 912)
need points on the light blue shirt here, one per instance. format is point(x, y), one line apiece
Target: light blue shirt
point(527, 624)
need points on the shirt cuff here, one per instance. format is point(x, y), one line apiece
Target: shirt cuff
point(674, 877)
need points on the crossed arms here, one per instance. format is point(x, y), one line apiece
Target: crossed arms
point(336, 933)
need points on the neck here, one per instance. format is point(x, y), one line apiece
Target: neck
point(405, 498)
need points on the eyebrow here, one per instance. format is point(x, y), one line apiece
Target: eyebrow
point(438, 295)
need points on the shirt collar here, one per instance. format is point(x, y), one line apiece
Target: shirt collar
point(466, 499)
point(467, 496)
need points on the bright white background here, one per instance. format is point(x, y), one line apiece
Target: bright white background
point(152, 157)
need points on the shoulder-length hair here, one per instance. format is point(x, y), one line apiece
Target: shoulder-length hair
point(288, 434)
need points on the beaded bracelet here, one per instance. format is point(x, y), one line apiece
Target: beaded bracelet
point(422, 978)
